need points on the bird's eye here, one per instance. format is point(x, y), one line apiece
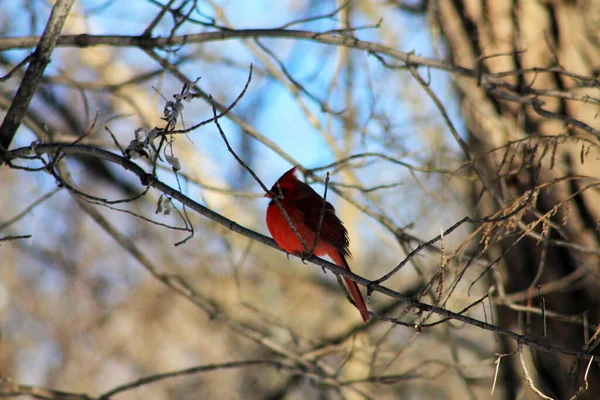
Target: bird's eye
point(279, 192)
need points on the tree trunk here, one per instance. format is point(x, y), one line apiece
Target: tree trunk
point(555, 36)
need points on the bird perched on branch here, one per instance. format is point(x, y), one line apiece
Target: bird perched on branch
point(310, 216)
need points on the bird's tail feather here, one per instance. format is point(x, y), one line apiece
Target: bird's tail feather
point(355, 293)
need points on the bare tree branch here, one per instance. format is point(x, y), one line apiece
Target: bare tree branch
point(33, 75)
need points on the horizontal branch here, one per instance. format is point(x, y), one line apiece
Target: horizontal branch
point(279, 365)
point(146, 42)
point(147, 179)
point(491, 82)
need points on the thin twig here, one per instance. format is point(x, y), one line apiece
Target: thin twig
point(15, 68)
point(247, 168)
point(29, 208)
point(196, 370)
point(321, 215)
point(14, 237)
point(526, 373)
point(585, 386)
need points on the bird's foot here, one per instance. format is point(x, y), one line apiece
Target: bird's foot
point(303, 256)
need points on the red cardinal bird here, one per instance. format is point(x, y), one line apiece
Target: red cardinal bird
point(303, 205)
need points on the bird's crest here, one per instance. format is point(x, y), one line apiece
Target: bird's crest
point(290, 174)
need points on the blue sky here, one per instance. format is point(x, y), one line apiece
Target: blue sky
point(284, 122)
point(279, 117)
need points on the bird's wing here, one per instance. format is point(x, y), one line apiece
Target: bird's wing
point(332, 230)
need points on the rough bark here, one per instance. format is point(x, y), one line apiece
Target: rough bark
point(520, 35)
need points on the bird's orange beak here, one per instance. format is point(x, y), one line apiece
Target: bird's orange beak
point(268, 195)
